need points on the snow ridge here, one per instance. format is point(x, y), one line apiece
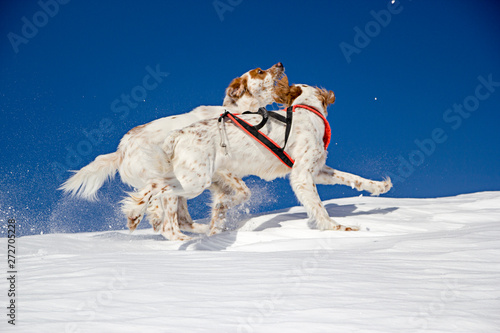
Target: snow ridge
point(415, 265)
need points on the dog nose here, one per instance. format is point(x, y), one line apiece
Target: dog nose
point(279, 64)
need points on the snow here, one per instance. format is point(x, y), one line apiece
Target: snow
point(416, 265)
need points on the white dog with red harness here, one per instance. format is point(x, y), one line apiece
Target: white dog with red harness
point(205, 153)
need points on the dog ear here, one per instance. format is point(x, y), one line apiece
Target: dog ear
point(282, 91)
point(285, 94)
point(326, 97)
point(295, 92)
point(331, 97)
point(237, 88)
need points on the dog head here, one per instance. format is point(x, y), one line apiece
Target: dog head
point(255, 88)
point(303, 94)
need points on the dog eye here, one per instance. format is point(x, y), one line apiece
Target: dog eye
point(260, 71)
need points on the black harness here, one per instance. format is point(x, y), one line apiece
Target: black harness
point(263, 139)
point(267, 142)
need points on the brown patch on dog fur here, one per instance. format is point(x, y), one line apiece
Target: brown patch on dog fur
point(295, 92)
point(136, 129)
point(286, 94)
point(237, 87)
point(257, 73)
point(132, 223)
point(281, 90)
point(326, 97)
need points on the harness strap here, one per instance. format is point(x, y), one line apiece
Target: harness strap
point(265, 115)
point(261, 138)
point(267, 142)
point(328, 131)
point(288, 122)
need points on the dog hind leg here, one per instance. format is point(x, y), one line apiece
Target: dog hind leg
point(155, 213)
point(227, 191)
point(169, 225)
point(136, 204)
point(186, 222)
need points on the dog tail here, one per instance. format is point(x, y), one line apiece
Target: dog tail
point(88, 180)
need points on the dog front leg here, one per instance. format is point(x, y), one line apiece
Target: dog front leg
point(329, 176)
point(303, 185)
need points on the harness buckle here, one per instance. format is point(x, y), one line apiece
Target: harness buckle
point(265, 116)
point(222, 130)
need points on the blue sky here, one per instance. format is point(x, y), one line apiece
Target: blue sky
point(417, 86)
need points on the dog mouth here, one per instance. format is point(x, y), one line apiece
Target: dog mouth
point(278, 72)
point(278, 77)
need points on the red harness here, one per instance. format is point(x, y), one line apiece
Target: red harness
point(267, 142)
point(328, 131)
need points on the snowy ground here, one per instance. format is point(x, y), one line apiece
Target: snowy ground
point(428, 265)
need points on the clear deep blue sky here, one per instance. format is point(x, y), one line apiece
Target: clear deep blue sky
point(418, 90)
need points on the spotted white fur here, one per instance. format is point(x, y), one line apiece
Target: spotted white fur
point(194, 160)
point(139, 158)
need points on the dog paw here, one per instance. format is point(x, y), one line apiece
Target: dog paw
point(387, 185)
point(196, 228)
point(182, 238)
point(332, 225)
point(340, 227)
point(177, 237)
point(214, 231)
point(133, 222)
point(382, 187)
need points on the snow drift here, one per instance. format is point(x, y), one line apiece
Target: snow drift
point(416, 265)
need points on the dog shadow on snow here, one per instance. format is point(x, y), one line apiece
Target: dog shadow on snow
point(226, 239)
point(119, 235)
